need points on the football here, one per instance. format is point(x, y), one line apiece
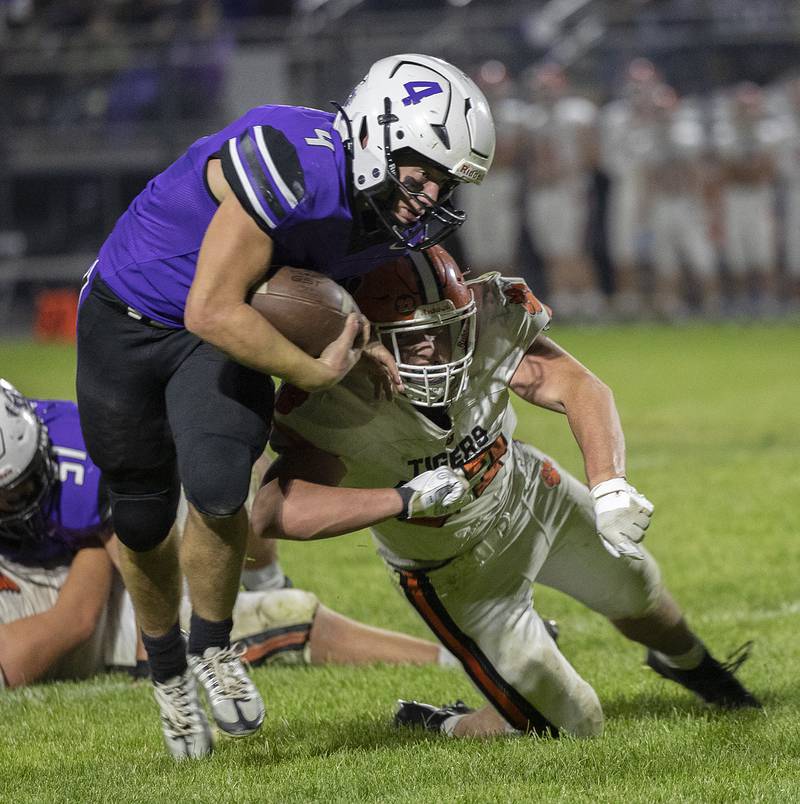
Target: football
point(307, 308)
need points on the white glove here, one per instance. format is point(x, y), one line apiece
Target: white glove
point(437, 492)
point(622, 515)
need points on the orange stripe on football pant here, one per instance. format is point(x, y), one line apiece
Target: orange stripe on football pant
point(508, 708)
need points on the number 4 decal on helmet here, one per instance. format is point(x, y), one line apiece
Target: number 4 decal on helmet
point(417, 90)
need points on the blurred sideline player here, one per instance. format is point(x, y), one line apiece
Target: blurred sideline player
point(626, 140)
point(512, 517)
point(561, 151)
point(676, 179)
point(173, 379)
point(494, 209)
point(747, 144)
point(63, 610)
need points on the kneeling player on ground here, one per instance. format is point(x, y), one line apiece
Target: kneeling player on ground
point(511, 516)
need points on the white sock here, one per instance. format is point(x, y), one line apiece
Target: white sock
point(685, 661)
point(446, 659)
point(449, 725)
point(264, 579)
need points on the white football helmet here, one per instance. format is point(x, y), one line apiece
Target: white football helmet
point(27, 468)
point(427, 106)
point(424, 313)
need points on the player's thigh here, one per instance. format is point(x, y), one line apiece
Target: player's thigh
point(483, 614)
point(761, 235)
point(219, 413)
point(578, 565)
point(122, 370)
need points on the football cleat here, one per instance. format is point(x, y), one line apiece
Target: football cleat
point(551, 626)
point(236, 704)
point(713, 681)
point(426, 716)
point(183, 721)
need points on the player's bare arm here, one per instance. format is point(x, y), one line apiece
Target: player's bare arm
point(235, 254)
point(551, 378)
point(301, 500)
point(30, 646)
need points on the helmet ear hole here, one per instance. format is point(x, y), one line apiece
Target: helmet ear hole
point(363, 133)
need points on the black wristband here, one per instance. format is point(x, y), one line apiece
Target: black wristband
point(406, 494)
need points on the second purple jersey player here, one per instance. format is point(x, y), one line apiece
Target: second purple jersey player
point(174, 366)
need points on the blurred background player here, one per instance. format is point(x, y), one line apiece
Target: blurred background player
point(677, 175)
point(747, 142)
point(491, 241)
point(627, 139)
point(63, 611)
point(790, 173)
point(561, 153)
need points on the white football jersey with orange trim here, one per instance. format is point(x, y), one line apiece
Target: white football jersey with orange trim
point(385, 443)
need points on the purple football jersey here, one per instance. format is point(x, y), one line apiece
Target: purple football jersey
point(79, 514)
point(287, 167)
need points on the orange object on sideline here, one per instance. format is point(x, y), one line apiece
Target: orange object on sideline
point(56, 315)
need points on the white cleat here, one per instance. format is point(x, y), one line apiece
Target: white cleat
point(236, 704)
point(183, 721)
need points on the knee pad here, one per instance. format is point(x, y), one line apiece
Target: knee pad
point(143, 521)
point(641, 591)
point(216, 480)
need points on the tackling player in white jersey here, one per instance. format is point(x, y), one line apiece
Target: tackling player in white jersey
point(507, 515)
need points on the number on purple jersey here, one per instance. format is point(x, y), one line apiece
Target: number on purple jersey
point(417, 90)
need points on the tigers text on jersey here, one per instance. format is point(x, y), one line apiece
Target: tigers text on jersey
point(385, 443)
point(287, 167)
point(79, 512)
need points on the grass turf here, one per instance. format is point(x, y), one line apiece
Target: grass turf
point(713, 426)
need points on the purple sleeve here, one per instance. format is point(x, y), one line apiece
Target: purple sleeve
point(263, 168)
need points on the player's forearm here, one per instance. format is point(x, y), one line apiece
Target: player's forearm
point(29, 647)
point(304, 511)
point(251, 340)
point(594, 420)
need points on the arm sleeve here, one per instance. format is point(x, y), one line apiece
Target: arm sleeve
point(263, 168)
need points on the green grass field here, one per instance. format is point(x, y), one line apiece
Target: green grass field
point(712, 416)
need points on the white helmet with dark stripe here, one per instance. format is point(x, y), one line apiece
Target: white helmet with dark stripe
point(424, 313)
point(27, 468)
point(427, 106)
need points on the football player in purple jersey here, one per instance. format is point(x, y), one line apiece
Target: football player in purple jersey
point(174, 367)
point(55, 573)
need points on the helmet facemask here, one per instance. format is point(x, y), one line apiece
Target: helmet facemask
point(26, 500)
point(433, 352)
point(439, 219)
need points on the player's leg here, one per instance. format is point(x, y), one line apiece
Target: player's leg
point(219, 413)
point(631, 595)
point(481, 611)
point(122, 367)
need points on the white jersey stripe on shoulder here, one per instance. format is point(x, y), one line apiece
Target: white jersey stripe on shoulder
point(245, 182)
point(430, 290)
point(288, 195)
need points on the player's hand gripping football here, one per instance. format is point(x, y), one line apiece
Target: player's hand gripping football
point(437, 492)
point(341, 355)
point(622, 516)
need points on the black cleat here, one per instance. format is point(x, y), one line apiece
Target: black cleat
point(551, 626)
point(713, 681)
point(426, 716)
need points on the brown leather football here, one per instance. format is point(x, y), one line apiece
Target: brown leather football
point(307, 308)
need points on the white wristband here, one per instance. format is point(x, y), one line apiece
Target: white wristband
point(609, 487)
